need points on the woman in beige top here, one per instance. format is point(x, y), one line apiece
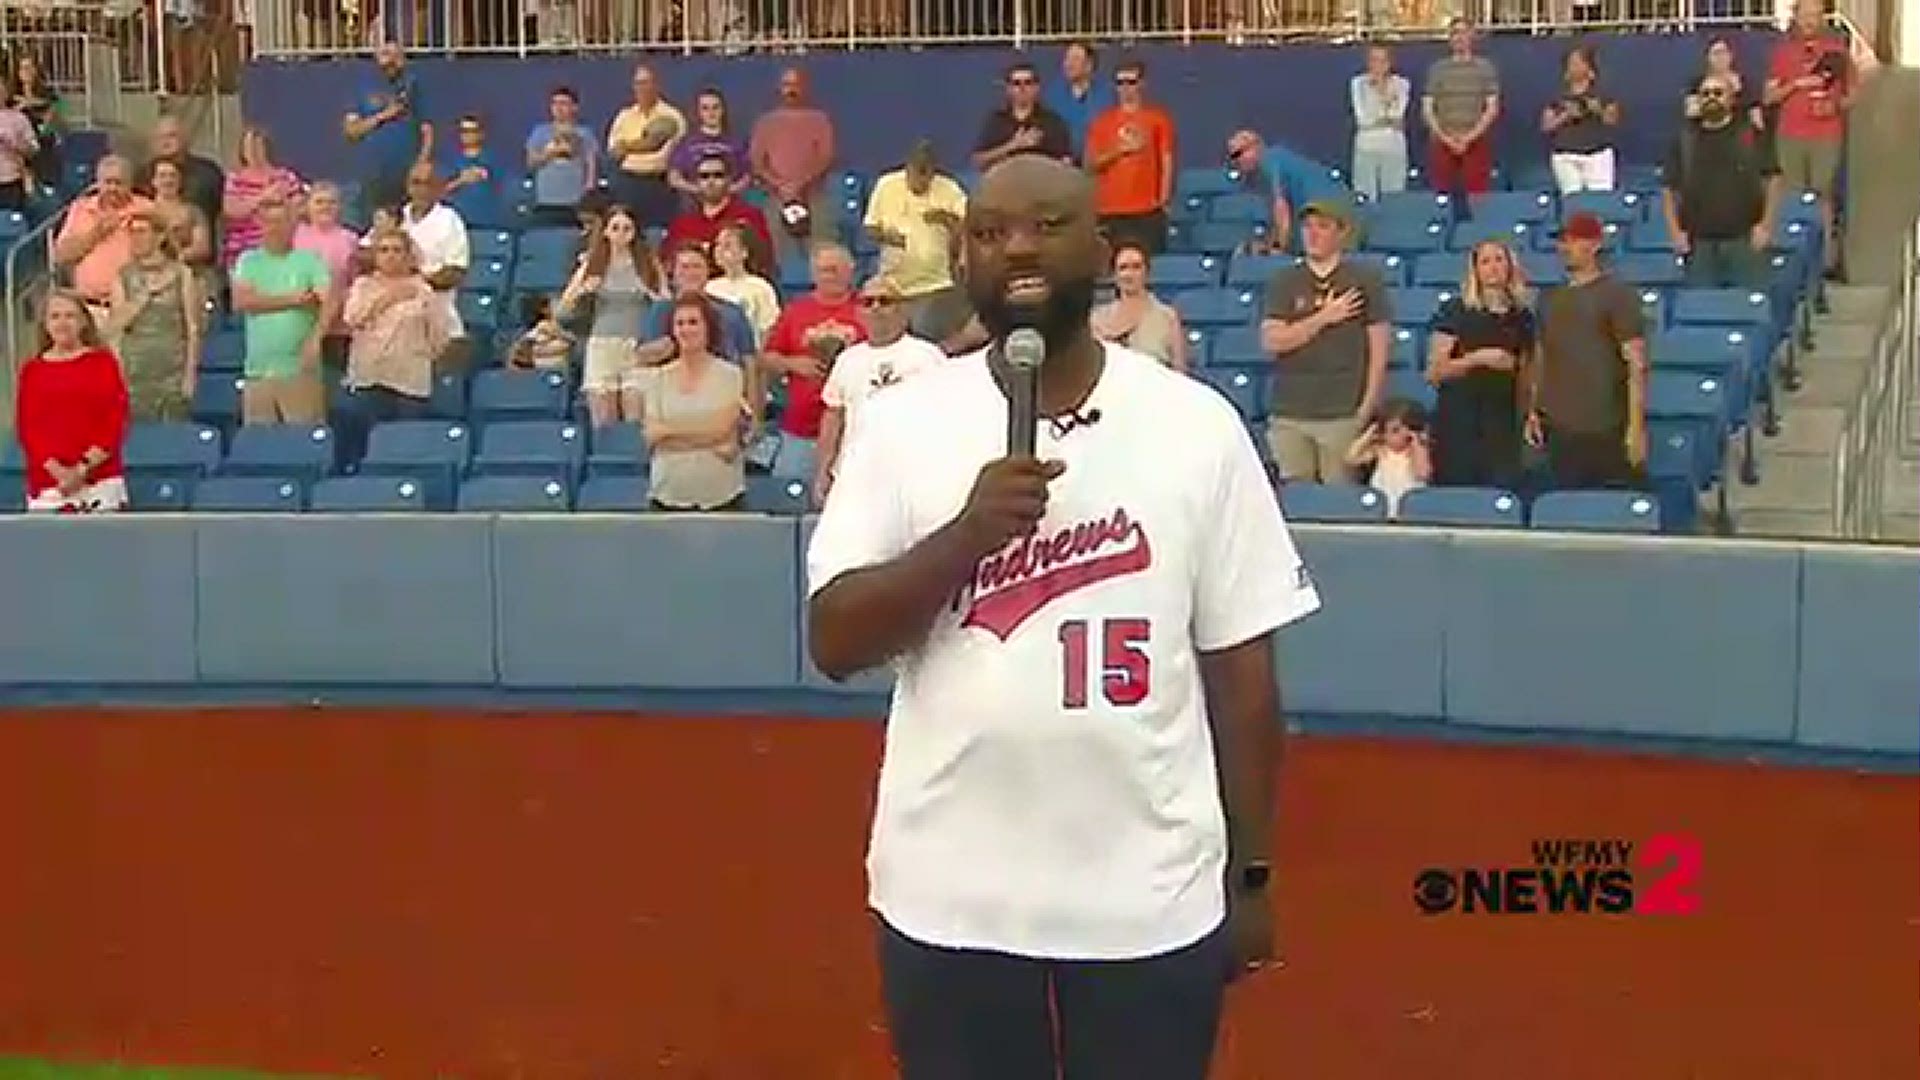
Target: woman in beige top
point(397, 328)
point(1135, 317)
point(693, 418)
point(187, 226)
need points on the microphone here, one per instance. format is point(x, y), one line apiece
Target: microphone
point(1024, 352)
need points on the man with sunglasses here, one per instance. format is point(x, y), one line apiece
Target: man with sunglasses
point(716, 207)
point(889, 356)
point(564, 157)
point(1130, 154)
point(1722, 189)
point(1023, 125)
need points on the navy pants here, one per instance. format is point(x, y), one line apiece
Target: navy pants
point(962, 1014)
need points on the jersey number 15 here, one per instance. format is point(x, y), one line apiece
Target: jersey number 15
point(1126, 671)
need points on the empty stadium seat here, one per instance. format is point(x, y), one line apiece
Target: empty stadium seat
point(1408, 349)
point(1543, 270)
point(176, 451)
point(1391, 268)
point(1723, 307)
point(617, 450)
point(512, 394)
point(1215, 307)
point(485, 244)
point(1239, 346)
point(1246, 389)
point(216, 399)
point(1653, 309)
point(1501, 209)
point(513, 495)
point(1645, 268)
point(449, 400)
point(777, 495)
point(158, 494)
point(613, 495)
point(1709, 350)
point(1612, 207)
point(1205, 181)
point(479, 311)
point(1405, 237)
point(1332, 503)
point(1514, 234)
point(1415, 207)
point(1462, 507)
point(249, 495)
point(551, 246)
point(1411, 383)
point(223, 351)
point(1596, 511)
point(1255, 271)
point(368, 495)
point(548, 449)
point(540, 277)
point(1174, 273)
point(1209, 237)
point(1417, 307)
point(1240, 208)
point(432, 453)
point(1438, 270)
point(1651, 236)
point(488, 276)
point(302, 451)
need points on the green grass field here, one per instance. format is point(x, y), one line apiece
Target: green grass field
point(28, 1069)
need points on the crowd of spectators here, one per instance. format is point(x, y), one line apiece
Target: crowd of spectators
point(668, 306)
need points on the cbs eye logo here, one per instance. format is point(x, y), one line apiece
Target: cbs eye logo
point(1434, 892)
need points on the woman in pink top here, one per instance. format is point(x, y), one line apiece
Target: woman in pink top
point(256, 179)
point(339, 247)
point(17, 147)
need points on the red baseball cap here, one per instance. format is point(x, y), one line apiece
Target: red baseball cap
point(1583, 226)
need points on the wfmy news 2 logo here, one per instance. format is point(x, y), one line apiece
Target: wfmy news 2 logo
point(1659, 875)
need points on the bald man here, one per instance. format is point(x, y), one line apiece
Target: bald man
point(202, 180)
point(1070, 848)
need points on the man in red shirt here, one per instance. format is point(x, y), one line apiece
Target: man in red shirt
point(1811, 79)
point(812, 330)
point(718, 208)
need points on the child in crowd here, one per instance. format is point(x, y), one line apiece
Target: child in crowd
point(545, 345)
point(1394, 451)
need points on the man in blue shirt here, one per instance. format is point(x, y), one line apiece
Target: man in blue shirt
point(1081, 95)
point(387, 122)
point(690, 273)
point(473, 185)
point(564, 157)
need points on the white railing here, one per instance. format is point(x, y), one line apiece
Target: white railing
point(287, 28)
point(27, 266)
point(81, 43)
point(1876, 431)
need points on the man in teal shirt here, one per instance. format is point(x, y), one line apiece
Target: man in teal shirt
point(283, 296)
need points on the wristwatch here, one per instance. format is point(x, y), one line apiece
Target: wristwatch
point(1254, 877)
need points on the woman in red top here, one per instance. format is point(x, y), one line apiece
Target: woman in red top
point(71, 415)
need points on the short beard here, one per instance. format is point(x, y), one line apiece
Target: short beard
point(1060, 320)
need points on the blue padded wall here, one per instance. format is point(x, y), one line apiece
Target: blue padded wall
point(878, 681)
point(1860, 649)
point(1377, 646)
point(89, 602)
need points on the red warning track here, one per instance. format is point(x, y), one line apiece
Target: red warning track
point(408, 895)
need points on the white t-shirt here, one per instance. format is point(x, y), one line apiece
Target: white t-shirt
point(865, 369)
point(441, 239)
point(1048, 788)
point(1393, 476)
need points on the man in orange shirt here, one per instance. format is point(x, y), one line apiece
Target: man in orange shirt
point(1130, 154)
point(93, 244)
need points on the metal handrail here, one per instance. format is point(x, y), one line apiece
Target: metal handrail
point(1875, 430)
point(41, 234)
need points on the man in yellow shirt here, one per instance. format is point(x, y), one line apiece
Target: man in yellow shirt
point(914, 215)
point(640, 141)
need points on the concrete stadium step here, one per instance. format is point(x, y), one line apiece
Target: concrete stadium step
point(1828, 379)
point(1900, 529)
point(1856, 304)
point(1901, 495)
point(1806, 429)
point(1800, 483)
point(1784, 525)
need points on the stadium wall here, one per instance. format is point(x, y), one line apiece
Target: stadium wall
point(944, 93)
point(1795, 645)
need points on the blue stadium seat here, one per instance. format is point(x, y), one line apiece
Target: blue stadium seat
point(1514, 234)
point(1543, 271)
point(776, 495)
point(613, 495)
point(1409, 349)
point(849, 184)
point(1174, 273)
point(1439, 270)
point(1417, 307)
point(171, 451)
point(488, 276)
point(216, 399)
point(1404, 236)
point(554, 246)
point(1216, 307)
point(1651, 236)
point(513, 495)
point(1205, 181)
point(223, 351)
point(449, 400)
point(1653, 309)
point(1187, 209)
point(1239, 346)
point(1462, 507)
point(1645, 268)
point(1332, 503)
point(617, 450)
point(504, 394)
point(1673, 453)
point(1802, 206)
point(1255, 271)
point(485, 244)
point(531, 278)
point(1597, 511)
point(1745, 308)
point(1411, 207)
point(1612, 207)
point(1708, 350)
point(1502, 209)
point(158, 494)
point(795, 279)
point(1700, 402)
point(249, 495)
point(369, 495)
point(548, 449)
point(1240, 208)
point(302, 451)
point(1411, 383)
point(1391, 268)
point(1546, 238)
point(13, 225)
point(1246, 389)
point(432, 453)
point(1210, 237)
point(479, 311)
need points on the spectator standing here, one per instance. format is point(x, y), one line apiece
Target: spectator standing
point(189, 229)
point(1130, 151)
point(564, 157)
point(1579, 125)
point(398, 326)
point(202, 180)
point(1720, 61)
point(914, 214)
point(711, 134)
point(1721, 192)
point(810, 335)
point(18, 145)
point(70, 414)
point(440, 239)
point(339, 248)
point(641, 141)
point(1393, 452)
point(716, 208)
point(1481, 342)
point(742, 282)
point(1248, 160)
point(157, 311)
point(1379, 98)
point(690, 270)
point(620, 279)
point(1023, 125)
point(93, 242)
point(1135, 317)
point(792, 151)
point(255, 181)
point(1460, 104)
point(1811, 80)
point(889, 356)
point(473, 185)
point(388, 123)
point(285, 299)
point(693, 418)
point(1588, 394)
point(1328, 324)
point(1079, 96)
point(42, 106)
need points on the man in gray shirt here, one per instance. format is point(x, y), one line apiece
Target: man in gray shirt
point(1328, 324)
point(1460, 103)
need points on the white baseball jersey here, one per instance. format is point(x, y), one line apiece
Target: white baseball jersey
point(1048, 788)
point(865, 369)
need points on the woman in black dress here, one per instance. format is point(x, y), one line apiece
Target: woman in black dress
point(1479, 344)
point(41, 105)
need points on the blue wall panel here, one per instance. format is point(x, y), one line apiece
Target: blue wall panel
point(1860, 649)
point(1669, 637)
point(344, 600)
point(1376, 645)
point(84, 601)
point(878, 681)
point(686, 602)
